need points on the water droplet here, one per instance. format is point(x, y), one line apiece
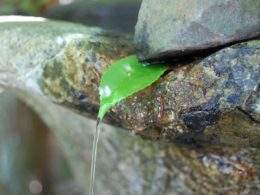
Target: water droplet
point(35, 186)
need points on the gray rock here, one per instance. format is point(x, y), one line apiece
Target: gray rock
point(126, 164)
point(31, 49)
point(63, 62)
point(174, 28)
point(113, 14)
point(213, 101)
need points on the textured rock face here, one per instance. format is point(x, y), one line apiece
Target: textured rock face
point(213, 101)
point(176, 27)
point(200, 101)
point(60, 59)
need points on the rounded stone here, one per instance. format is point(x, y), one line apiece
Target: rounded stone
point(173, 28)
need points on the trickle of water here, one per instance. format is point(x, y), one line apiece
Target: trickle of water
point(94, 156)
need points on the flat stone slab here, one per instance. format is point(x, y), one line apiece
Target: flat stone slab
point(173, 28)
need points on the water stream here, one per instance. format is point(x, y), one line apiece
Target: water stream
point(94, 156)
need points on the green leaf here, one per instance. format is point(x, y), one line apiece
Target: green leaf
point(123, 78)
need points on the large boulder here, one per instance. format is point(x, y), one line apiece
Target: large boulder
point(33, 44)
point(170, 28)
point(46, 62)
point(211, 101)
point(113, 14)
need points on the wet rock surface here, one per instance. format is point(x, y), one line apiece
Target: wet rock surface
point(208, 101)
point(211, 101)
point(172, 28)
